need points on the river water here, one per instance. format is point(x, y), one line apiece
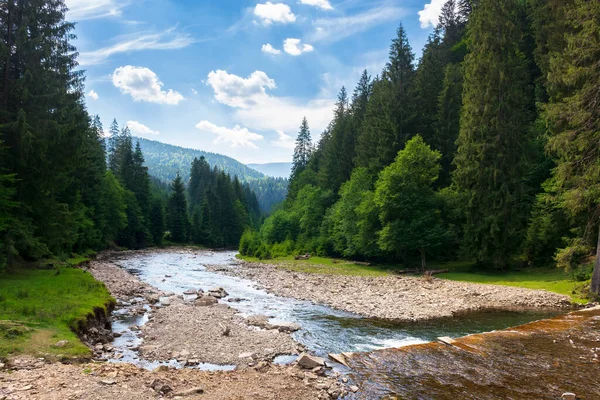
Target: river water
point(324, 330)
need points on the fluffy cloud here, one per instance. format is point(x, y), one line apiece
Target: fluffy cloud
point(88, 9)
point(139, 129)
point(167, 40)
point(284, 141)
point(324, 4)
point(93, 95)
point(143, 85)
point(292, 47)
point(239, 92)
point(278, 12)
point(331, 30)
point(237, 137)
point(267, 48)
point(430, 15)
point(259, 110)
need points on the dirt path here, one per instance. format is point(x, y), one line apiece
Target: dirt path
point(398, 298)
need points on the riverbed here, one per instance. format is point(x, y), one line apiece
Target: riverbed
point(324, 329)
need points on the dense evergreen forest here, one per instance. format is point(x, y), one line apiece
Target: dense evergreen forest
point(487, 149)
point(62, 190)
point(164, 161)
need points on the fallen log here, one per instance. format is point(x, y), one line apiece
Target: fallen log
point(407, 271)
point(302, 257)
point(363, 263)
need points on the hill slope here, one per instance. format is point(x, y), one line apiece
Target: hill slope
point(277, 170)
point(165, 160)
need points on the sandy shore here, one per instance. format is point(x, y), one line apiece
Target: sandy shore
point(398, 298)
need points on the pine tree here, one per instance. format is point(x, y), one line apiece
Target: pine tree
point(490, 161)
point(302, 155)
point(177, 212)
point(448, 120)
point(574, 119)
point(157, 221)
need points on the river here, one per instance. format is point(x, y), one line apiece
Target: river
point(324, 330)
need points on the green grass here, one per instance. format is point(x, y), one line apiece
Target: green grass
point(321, 265)
point(550, 279)
point(39, 307)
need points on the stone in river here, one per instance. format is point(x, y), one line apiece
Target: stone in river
point(309, 362)
point(206, 301)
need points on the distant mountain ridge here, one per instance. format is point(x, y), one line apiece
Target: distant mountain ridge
point(164, 161)
point(277, 170)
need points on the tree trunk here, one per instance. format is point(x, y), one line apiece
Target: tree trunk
point(423, 261)
point(595, 287)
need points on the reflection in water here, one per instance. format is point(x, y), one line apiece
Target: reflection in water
point(324, 330)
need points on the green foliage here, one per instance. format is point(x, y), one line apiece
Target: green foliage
point(177, 213)
point(165, 161)
point(492, 145)
point(407, 202)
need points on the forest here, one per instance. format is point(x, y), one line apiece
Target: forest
point(487, 149)
point(63, 188)
point(164, 161)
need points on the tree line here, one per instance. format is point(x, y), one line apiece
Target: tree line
point(486, 150)
point(63, 188)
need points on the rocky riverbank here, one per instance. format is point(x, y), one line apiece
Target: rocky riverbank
point(399, 298)
point(36, 380)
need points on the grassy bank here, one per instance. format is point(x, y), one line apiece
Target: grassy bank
point(550, 279)
point(39, 307)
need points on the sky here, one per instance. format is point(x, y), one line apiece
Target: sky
point(234, 77)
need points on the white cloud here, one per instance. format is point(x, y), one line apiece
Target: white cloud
point(237, 137)
point(259, 110)
point(167, 40)
point(267, 48)
point(194, 91)
point(239, 92)
point(430, 15)
point(332, 30)
point(88, 9)
point(270, 13)
point(93, 95)
point(284, 141)
point(292, 46)
point(139, 129)
point(324, 4)
point(143, 85)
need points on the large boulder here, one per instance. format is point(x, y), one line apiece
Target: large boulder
point(206, 301)
point(309, 362)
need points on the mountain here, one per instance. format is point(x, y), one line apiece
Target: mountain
point(165, 160)
point(277, 170)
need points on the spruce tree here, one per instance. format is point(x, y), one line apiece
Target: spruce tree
point(177, 212)
point(490, 161)
point(573, 115)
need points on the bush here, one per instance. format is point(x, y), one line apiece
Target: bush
point(250, 243)
point(582, 273)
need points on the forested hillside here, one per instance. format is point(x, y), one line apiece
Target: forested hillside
point(58, 196)
point(278, 170)
point(165, 161)
point(486, 149)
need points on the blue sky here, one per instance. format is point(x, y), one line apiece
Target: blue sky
point(234, 76)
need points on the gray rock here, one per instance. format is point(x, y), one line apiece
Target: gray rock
point(247, 355)
point(61, 343)
point(309, 362)
point(159, 386)
point(206, 301)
